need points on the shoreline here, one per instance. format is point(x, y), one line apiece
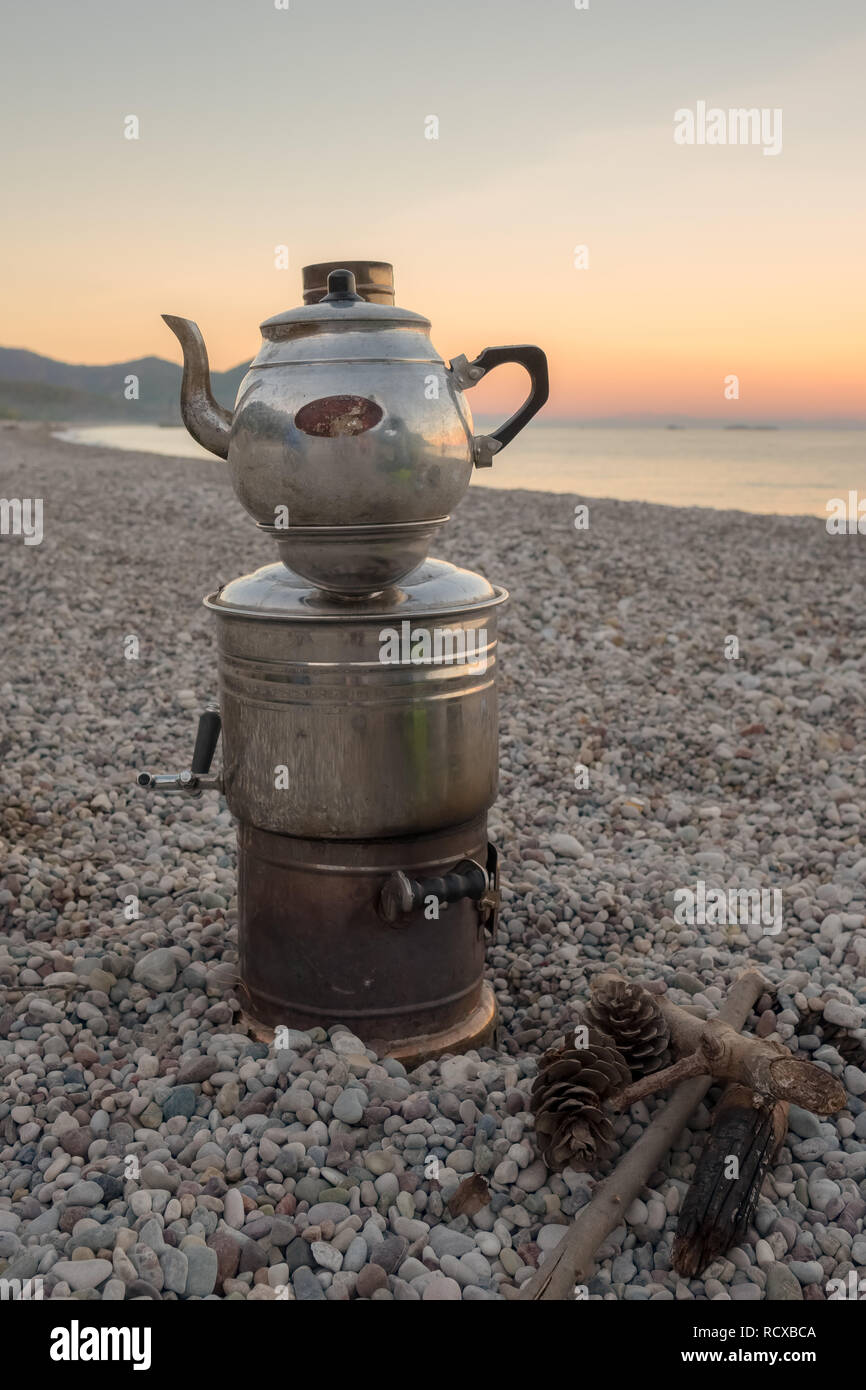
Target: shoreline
point(53, 431)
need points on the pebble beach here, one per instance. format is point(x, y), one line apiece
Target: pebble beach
point(681, 701)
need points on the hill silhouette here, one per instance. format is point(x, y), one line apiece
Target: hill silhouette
point(39, 388)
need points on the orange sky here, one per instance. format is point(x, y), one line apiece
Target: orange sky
point(259, 127)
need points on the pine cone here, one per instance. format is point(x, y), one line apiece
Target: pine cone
point(629, 1016)
point(567, 1099)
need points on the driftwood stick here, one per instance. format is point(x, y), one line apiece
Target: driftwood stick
point(683, 1070)
point(573, 1259)
point(712, 1047)
point(764, 1064)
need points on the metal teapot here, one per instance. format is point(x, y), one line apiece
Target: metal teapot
point(351, 438)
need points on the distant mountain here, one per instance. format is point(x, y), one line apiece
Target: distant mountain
point(38, 388)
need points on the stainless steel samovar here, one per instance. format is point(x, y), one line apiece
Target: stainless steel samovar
point(357, 676)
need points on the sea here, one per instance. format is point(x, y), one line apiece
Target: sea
point(789, 472)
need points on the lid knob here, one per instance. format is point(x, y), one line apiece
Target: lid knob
point(341, 288)
point(374, 280)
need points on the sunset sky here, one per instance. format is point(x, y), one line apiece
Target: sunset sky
point(306, 126)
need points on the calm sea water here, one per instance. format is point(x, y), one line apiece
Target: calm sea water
point(790, 472)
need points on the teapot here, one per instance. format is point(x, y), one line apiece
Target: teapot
point(351, 438)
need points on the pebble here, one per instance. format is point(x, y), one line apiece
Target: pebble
point(234, 1214)
point(782, 1284)
point(179, 1101)
point(326, 1256)
point(201, 1271)
point(81, 1274)
point(445, 1241)
point(156, 970)
point(855, 1080)
point(843, 1014)
point(306, 1286)
point(656, 1214)
point(441, 1290)
point(84, 1194)
point(548, 1237)
point(349, 1107)
point(802, 1122)
point(371, 1278)
point(379, 1161)
point(822, 1191)
point(566, 846)
point(533, 1177)
point(175, 1270)
point(623, 1269)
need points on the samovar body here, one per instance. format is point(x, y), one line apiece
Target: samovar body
point(357, 679)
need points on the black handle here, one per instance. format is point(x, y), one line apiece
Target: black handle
point(206, 739)
point(535, 362)
point(451, 887)
point(401, 894)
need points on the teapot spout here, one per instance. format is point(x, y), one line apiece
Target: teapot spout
point(208, 422)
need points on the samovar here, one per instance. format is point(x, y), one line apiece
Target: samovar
point(357, 676)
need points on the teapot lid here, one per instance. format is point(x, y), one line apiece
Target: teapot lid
point(340, 308)
point(374, 280)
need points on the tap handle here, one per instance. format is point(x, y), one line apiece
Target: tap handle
point(206, 739)
point(401, 894)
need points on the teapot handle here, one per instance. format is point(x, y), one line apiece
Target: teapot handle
point(470, 373)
